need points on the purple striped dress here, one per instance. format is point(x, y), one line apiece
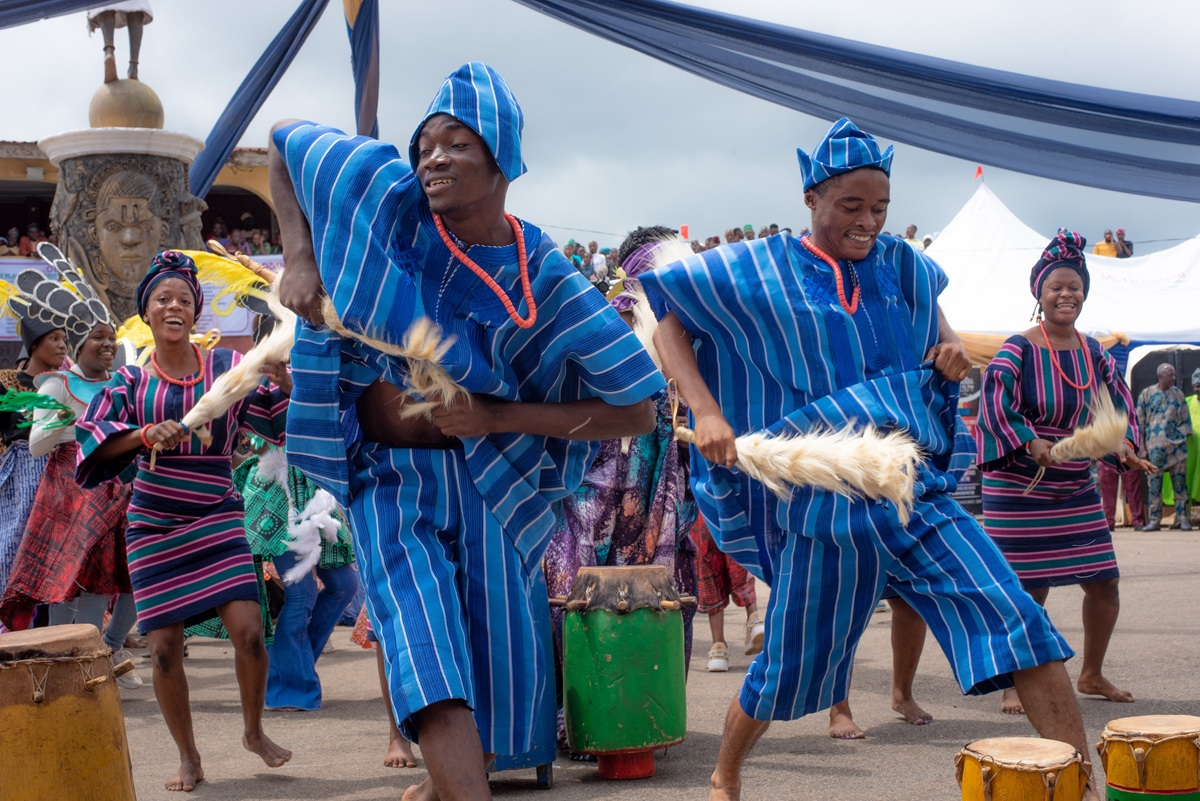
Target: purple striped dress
point(186, 540)
point(1057, 534)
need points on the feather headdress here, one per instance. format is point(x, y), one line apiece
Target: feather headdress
point(44, 303)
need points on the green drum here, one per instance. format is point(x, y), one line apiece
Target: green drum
point(623, 667)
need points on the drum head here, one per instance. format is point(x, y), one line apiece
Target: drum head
point(1154, 726)
point(1029, 752)
point(51, 641)
point(635, 586)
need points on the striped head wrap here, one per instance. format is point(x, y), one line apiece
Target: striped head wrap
point(1064, 250)
point(478, 97)
point(844, 148)
point(169, 264)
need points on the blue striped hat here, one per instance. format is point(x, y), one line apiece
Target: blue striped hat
point(477, 96)
point(844, 148)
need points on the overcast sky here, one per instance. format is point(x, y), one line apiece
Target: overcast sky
point(615, 139)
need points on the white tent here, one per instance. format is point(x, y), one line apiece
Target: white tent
point(987, 253)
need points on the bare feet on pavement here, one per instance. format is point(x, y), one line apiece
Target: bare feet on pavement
point(272, 754)
point(189, 775)
point(425, 791)
point(721, 790)
point(842, 726)
point(908, 709)
point(1010, 703)
point(399, 754)
point(1098, 685)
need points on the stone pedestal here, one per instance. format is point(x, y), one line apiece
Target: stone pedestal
point(122, 197)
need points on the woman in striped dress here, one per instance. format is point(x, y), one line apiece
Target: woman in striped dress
point(1037, 390)
point(187, 547)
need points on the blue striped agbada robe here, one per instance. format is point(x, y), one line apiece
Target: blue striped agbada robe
point(449, 543)
point(780, 354)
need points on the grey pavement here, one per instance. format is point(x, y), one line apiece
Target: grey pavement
point(339, 749)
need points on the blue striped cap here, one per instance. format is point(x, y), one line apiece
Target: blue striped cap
point(477, 96)
point(844, 148)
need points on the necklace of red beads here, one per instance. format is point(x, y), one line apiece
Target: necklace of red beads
point(522, 261)
point(851, 306)
point(1087, 363)
point(181, 382)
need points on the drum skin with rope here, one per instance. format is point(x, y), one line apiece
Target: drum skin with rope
point(1152, 756)
point(1020, 769)
point(623, 667)
point(62, 734)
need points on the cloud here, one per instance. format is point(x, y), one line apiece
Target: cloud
point(615, 139)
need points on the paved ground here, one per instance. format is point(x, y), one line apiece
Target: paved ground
point(339, 750)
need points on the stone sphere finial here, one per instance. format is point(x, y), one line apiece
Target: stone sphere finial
point(125, 104)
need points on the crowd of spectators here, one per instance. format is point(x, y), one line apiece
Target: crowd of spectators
point(246, 237)
point(1117, 247)
point(16, 244)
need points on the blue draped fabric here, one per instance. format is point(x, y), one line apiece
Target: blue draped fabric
point(20, 12)
point(250, 96)
point(1086, 135)
point(362, 26)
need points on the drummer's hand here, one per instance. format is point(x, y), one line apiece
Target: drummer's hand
point(715, 440)
point(279, 375)
point(950, 359)
point(468, 416)
point(168, 435)
point(1039, 449)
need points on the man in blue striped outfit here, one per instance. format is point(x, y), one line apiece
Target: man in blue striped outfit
point(834, 330)
point(450, 516)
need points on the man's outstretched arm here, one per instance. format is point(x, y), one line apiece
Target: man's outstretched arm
point(300, 287)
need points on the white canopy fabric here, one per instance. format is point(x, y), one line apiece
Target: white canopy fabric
point(987, 253)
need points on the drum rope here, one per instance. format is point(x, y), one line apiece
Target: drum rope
point(39, 687)
point(52, 660)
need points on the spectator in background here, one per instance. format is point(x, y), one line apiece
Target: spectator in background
point(926, 242)
point(219, 233)
point(731, 235)
point(1124, 247)
point(763, 232)
point(12, 243)
point(259, 246)
point(29, 242)
point(1165, 423)
point(772, 229)
point(910, 236)
point(599, 262)
point(1108, 247)
point(749, 231)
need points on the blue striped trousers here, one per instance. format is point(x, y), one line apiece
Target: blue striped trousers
point(826, 586)
point(447, 594)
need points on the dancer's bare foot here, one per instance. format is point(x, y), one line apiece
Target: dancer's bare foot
point(909, 710)
point(399, 753)
point(272, 754)
point(1098, 685)
point(842, 726)
point(190, 774)
point(723, 790)
point(1010, 703)
point(425, 791)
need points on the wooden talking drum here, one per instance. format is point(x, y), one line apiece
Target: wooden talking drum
point(1152, 756)
point(623, 669)
point(62, 734)
point(1020, 769)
